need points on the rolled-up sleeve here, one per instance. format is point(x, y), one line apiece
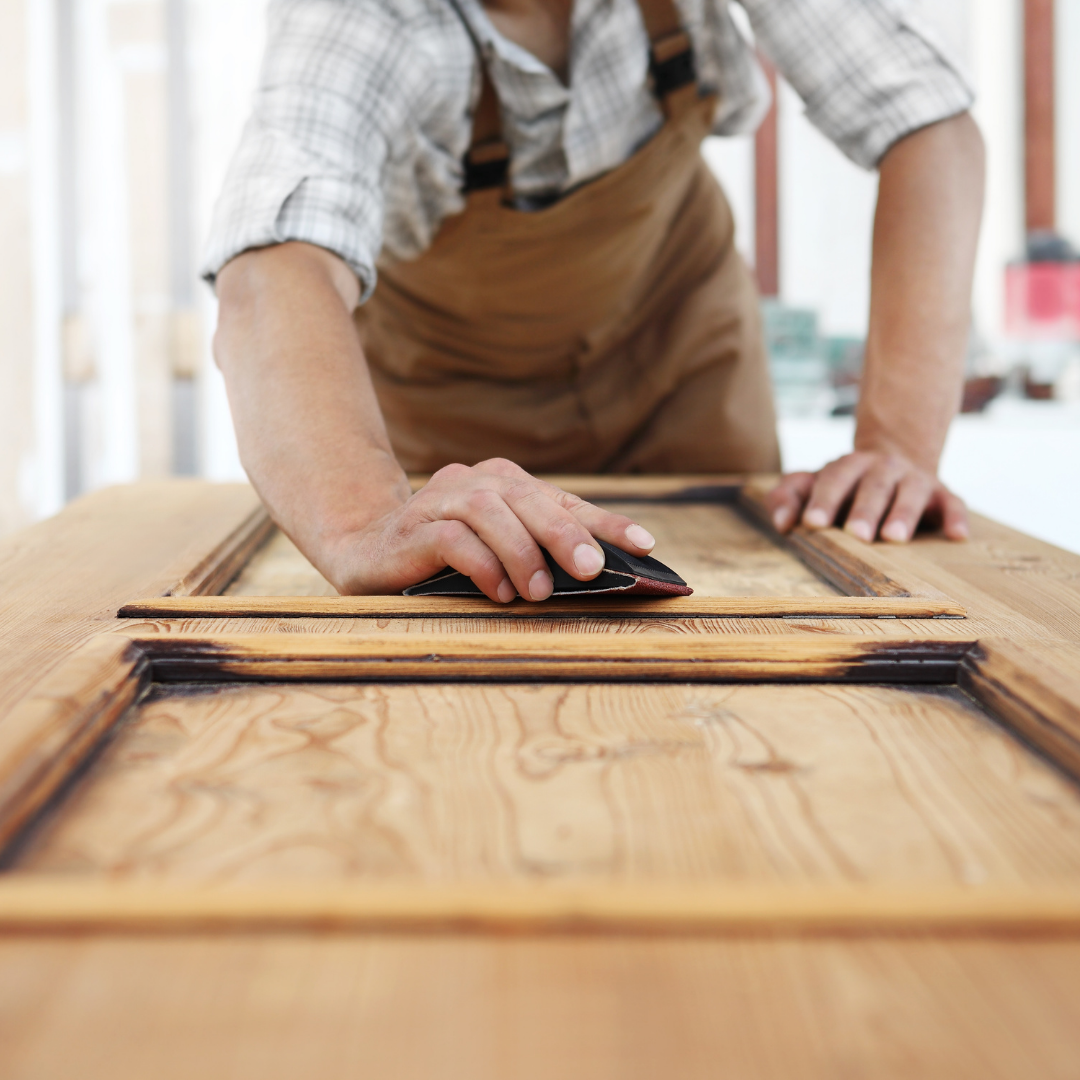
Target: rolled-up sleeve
point(868, 73)
point(335, 85)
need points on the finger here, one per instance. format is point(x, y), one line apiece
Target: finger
point(873, 498)
point(954, 514)
point(913, 496)
point(571, 544)
point(487, 514)
point(833, 486)
point(506, 468)
point(454, 544)
point(617, 529)
point(786, 501)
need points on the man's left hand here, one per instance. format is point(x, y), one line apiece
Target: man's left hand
point(888, 496)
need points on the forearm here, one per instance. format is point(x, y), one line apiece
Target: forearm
point(310, 432)
point(925, 236)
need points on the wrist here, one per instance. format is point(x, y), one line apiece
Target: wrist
point(328, 518)
point(922, 448)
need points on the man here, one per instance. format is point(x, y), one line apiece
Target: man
point(557, 285)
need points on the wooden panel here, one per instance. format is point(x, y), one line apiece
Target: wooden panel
point(278, 569)
point(717, 551)
point(211, 574)
point(666, 487)
point(63, 578)
point(1036, 693)
point(520, 783)
point(720, 553)
point(800, 627)
point(442, 657)
point(419, 1007)
point(51, 903)
point(609, 608)
point(1014, 585)
point(709, 544)
point(50, 733)
point(854, 567)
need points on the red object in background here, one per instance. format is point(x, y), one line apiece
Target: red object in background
point(1042, 301)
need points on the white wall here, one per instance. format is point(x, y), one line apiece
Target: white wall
point(227, 38)
point(826, 217)
point(996, 51)
point(31, 449)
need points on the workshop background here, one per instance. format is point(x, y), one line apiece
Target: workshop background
point(118, 118)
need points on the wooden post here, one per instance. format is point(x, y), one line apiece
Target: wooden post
point(766, 198)
point(1039, 114)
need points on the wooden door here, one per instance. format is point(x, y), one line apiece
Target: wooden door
point(820, 818)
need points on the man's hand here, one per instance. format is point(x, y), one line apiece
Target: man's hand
point(888, 496)
point(925, 232)
point(489, 523)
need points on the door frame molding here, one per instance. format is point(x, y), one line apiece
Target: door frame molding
point(52, 733)
point(872, 586)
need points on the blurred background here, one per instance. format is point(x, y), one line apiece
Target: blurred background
point(117, 121)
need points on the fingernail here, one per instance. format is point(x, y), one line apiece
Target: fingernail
point(781, 517)
point(896, 532)
point(816, 518)
point(588, 560)
point(506, 591)
point(960, 532)
point(640, 537)
point(861, 530)
point(541, 585)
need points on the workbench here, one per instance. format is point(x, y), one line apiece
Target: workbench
point(819, 819)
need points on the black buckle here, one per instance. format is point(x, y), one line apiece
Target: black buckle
point(486, 166)
point(671, 64)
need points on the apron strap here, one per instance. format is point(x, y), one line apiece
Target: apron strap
point(487, 161)
point(671, 57)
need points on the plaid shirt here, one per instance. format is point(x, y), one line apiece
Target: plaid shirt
point(362, 114)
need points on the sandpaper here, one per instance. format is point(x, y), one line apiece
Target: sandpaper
point(623, 573)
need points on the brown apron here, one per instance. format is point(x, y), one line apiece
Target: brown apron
point(617, 330)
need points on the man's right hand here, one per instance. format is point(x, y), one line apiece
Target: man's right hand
point(314, 444)
point(488, 522)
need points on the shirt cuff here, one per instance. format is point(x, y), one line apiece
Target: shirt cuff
point(275, 192)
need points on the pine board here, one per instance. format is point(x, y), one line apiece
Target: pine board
point(713, 547)
point(414, 1007)
point(748, 783)
point(62, 580)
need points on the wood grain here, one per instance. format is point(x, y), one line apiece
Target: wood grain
point(279, 569)
point(1023, 588)
point(413, 1007)
point(713, 627)
point(855, 568)
point(670, 784)
point(1036, 693)
point(619, 607)
point(48, 735)
point(672, 487)
point(212, 573)
point(62, 580)
point(39, 903)
point(551, 657)
point(711, 545)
